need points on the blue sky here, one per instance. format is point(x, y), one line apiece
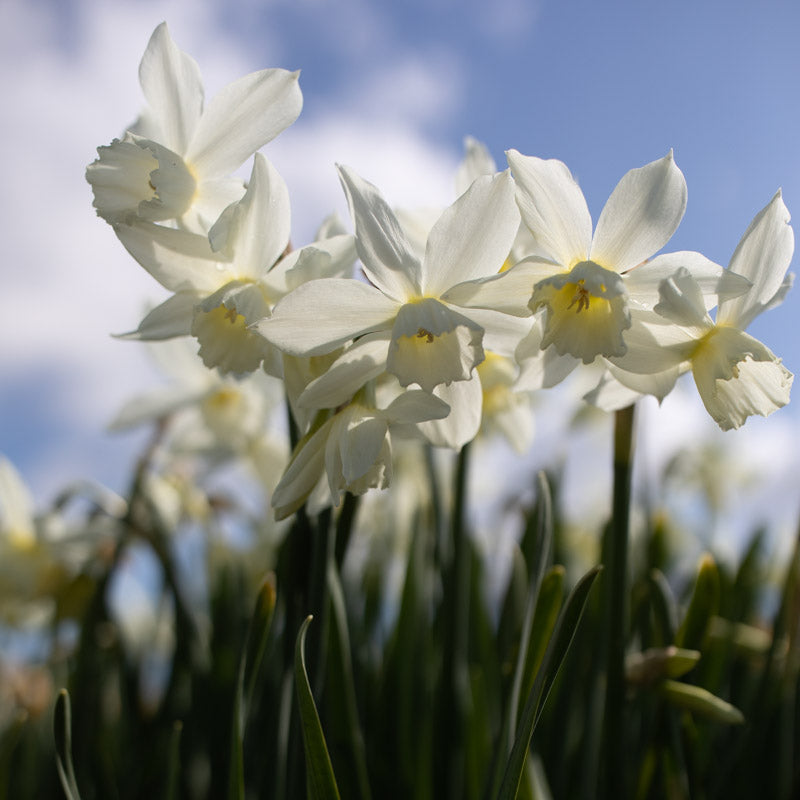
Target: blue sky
point(391, 89)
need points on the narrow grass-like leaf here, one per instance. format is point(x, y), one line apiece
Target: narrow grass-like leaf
point(257, 636)
point(544, 538)
point(556, 651)
point(174, 764)
point(252, 655)
point(320, 780)
point(343, 683)
point(703, 606)
point(63, 736)
point(662, 601)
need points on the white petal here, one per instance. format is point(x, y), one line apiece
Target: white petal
point(641, 215)
point(414, 406)
point(171, 84)
point(242, 118)
point(508, 291)
point(364, 360)
point(16, 507)
point(320, 315)
point(553, 207)
point(157, 405)
point(611, 395)
point(762, 256)
point(327, 258)
point(255, 231)
point(658, 384)
point(303, 473)
point(210, 201)
point(473, 237)
point(361, 446)
point(172, 318)
point(176, 259)
point(714, 281)
point(477, 161)
point(655, 344)
point(541, 369)
point(681, 301)
point(387, 257)
point(501, 332)
point(460, 426)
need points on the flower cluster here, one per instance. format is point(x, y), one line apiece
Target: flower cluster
point(448, 323)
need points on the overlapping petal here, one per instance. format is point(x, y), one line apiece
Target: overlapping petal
point(242, 118)
point(172, 86)
point(762, 256)
point(640, 216)
point(320, 315)
point(387, 256)
point(714, 281)
point(552, 206)
point(254, 232)
point(473, 237)
point(177, 259)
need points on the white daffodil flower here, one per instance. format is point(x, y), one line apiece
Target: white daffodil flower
point(17, 526)
point(589, 282)
point(505, 409)
point(176, 163)
point(426, 336)
point(352, 448)
point(225, 282)
point(737, 376)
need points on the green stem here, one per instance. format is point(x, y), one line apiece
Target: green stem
point(616, 593)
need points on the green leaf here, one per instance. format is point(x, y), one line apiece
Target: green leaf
point(703, 606)
point(174, 765)
point(342, 684)
point(523, 673)
point(664, 607)
point(62, 725)
point(253, 653)
point(554, 657)
point(320, 780)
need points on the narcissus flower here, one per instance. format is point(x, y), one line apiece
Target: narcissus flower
point(737, 376)
point(590, 282)
point(176, 162)
point(426, 336)
point(350, 451)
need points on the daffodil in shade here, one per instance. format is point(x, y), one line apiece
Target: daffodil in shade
point(176, 162)
point(736, 375)
point(230, 279)
point(591, 280)
point(420, 336)
point(350, 450)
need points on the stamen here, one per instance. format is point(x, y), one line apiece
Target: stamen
point(427, 335)
point(581, 297)
point(231, 313)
